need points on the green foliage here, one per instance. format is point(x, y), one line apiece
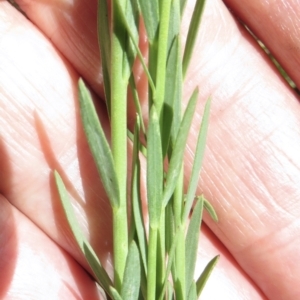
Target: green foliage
point(98, 145)
point(197, 162)
point(158, 261)
point(192, 34)
point(132, 275)
point(205, 274)
point(85, 247)
point(105, 48)
point(150, 12)
point(191, 244)
point(178, 150)
point(155, 173)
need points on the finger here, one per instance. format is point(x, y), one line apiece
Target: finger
point(277, 24)
point(218, 179)
point(72, 28)
point(32, 139)
point(251, 171)
point(33, 266)
point(228, 280)
point(41, 132)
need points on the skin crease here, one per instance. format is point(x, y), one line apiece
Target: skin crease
point(251, 168)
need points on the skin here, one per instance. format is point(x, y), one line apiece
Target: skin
point(251, 171)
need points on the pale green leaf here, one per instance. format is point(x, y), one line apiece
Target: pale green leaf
point(105, 47)
point(137, 212)
point(173, 92)
point(150, 13)
point(210, 210)
point(137, 102)
point(95, 264)
point(132, 275)
point(161, 252)
point(172, 102)
point(174, 27)
point(171, 256)
point(143, 149)
point(98, 145)
point(170, 226)
point(192, 35)
point(125, 13)
point(191, 244)
point(101, 275)
point(154, 169)
point(170, 291)
point(199, 154)
point(134, 41)
point(179, 147)
point(182, 6)
point(115, 295)
point(162, 54)
point(193, 292)
point(132, 18)
point(205, 275)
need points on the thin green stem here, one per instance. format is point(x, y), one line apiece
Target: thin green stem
point(152, 254)
point(161, 252)
point(180, 264)
point(177, 202)
point(162, 54)
point(180, 247)
point(119, 143)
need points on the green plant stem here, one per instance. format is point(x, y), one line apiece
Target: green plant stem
point(180, 247)
point(119, 144)
point(162, 54)
point(161, 252)
point(180, 264)
point(152, 254)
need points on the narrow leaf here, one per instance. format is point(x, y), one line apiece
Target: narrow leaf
point(170, 228)
point(136, 198)
point(100, 273)
point(132, 18)
point(191, 244)
point(134, 41)
point(182, 6)
point(173, 89)
point(210, 210)
point(170, 292)
point(137, 102)
point(143, 149)
point(150, 13)
point(178, 151)
point(192, 34)
point(205, 275)
point(193, 292)
point(154, 169)
point(172, 102)
point(199, 154)
point(162, 54)
point(115, 295)
point(132, 275)
point(171, 257)
point(174, 27)
point(105, 47)
point(98, 145)
point(161, 252)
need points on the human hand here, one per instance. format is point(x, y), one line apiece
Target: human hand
point(251, 167)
